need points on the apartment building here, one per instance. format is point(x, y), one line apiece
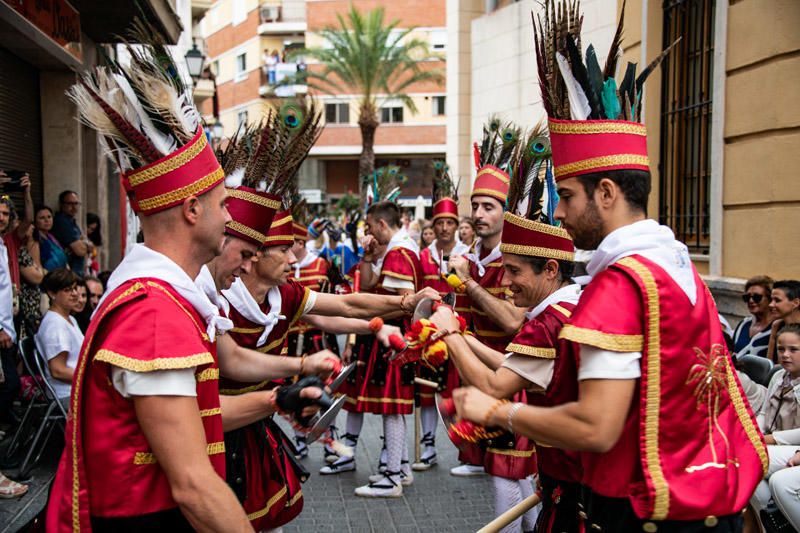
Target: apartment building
point(243, 36)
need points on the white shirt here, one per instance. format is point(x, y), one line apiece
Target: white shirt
point(57, 335)
point(6, 295)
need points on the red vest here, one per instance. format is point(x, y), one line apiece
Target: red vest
point(690, 447)
point(400, 263)
point(539, 338)
point(143, 325)
point(484, 327)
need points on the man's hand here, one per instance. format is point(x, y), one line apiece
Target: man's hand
point(25, 183)
point(370, 245)
point(320, 364)
point(472, 404)
point(427, 292)
point(460, 265)
point(387, 331)
point(310, 393)
point(5, 340)
point(794, 460)
point(444, 318)
point(347, 355)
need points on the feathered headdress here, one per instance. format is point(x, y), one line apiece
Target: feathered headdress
point(148, 124)
point(529, 227)
point(445, 192)
point(384, 185)
point(299, 218)
point(594, 124)
point(492, 158)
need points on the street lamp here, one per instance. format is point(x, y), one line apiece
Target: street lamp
point(217, 131)
point(194, 61)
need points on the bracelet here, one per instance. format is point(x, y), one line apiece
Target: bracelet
point(302, 363)
point(487, 419)
point(511, 413)
point(403, 304)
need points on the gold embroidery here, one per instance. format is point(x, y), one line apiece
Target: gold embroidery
point(143, 176)
point(149, 458)
point(158, 363)
point(247, 331)
point(210, 412)
point(538, 227)
point(537, 251)
point(576, 127)
point(652, 460)
point(564, 311)
point(499, 174)
point(281, 221)
point(489, 192)
point(244, 230)
point(744, 417)
point(270, 503)
point(254, 198)
point(182, 192)
point(383, 400)
point(615, 342)
point(512, 453)
point(300, 308)
point(209, 374)
point(295, 498)
point(535, 351)
point(602, 161)
point(391, 274)
point(273, 238)
point(243, 390)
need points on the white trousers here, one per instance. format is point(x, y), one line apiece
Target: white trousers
point(782, 485)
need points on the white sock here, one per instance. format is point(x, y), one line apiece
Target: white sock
point(353, 424)
point(394, 431)
point(430, 419)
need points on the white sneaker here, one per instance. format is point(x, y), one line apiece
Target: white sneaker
point(343, 464)
point(427, 460)
point(467, 471)
point(406, 479)
point(386, 487)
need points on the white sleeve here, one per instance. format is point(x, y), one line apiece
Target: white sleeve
point(537, 370)
point(390, 282)
point(597, 363)
point(180, 382)
point(310, 302)
point(53, 340)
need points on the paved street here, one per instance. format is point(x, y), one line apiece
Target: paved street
point(436, 501)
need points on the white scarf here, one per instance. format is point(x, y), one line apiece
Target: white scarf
point(307, 260)
point(144, 262)
point(481, 263)
point(569, 294)
point(651, 240)
point(241, 300)
point(205, 281)
point(459, 249)
point(401, 239)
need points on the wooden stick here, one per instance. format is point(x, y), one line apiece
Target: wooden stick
point(426, 382)
point(512, 514)
point(417, 426)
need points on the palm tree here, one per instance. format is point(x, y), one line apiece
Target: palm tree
point(366, 57)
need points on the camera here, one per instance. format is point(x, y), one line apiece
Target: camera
point(15, 181)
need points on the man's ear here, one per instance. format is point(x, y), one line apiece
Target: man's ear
point(606, 193)
point(551, 268)
point(192, 208)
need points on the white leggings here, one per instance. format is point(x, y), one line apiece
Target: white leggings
point(782, 485)
point(507, 494)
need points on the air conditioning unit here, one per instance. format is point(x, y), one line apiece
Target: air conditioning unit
point(270, 13)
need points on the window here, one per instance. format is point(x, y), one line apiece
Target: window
point(239, 14)
point(438, 106)
point(337, 113)
point(215, 67)
point(686, 90)
point(390, 115)
point(241, 63)
point(241, 119)
point(439, 40)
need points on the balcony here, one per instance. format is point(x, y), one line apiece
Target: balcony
point(273, 75)
point(284, 18)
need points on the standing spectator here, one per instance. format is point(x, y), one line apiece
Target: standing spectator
point(82, 310)
point(427, 237)
point(93, 233)
point(272, 61)
point(31, 275)
point(50, 250)
point(9, 380)
point(68, 233)
point(95, 288)
point(466, 231)
point(753, 333)
point(785, 308)
point(59, 338)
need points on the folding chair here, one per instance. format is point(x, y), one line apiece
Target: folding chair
point(758, 368)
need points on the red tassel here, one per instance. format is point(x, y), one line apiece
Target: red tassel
point(375, 324)
point(397, 342)
point(477, 155)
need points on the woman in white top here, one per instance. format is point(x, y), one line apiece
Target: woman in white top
point(59, 337)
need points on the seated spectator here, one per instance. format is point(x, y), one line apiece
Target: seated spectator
point(466, 231)
point(68, 233)
point(779, 414)
point(752, 334)
point(82, 312)
point(59, 338)
point(50, 250)
point(95, 288)
point(785, 308)
point(10, 488)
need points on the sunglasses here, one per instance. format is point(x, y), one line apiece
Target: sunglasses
point(755, 297)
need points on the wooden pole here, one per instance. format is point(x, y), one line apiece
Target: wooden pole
point(512, 514)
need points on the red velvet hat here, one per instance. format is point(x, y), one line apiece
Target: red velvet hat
point(445, 208)
point(252, 212)
point(491, 181)
point(526, 237)
point(588, 146)
point(190, 171)
point(280, 231)
point(300, 231)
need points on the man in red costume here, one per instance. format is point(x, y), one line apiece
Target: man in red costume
point(669, 442)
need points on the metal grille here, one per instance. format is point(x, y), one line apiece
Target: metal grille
point(685, 166)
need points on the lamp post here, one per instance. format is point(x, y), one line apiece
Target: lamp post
point(194, 61)
point(217, 133)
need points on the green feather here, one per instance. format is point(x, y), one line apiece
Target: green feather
point(595, 76)
point(610, 101)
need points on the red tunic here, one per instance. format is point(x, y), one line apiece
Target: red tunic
point(520, 462)
point(690, 447)
point(274, 496)
point(144, 325)
point(447, 376)
point(314, 277)
point(384, 388)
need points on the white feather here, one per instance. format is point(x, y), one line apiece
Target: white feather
point(234, 180)
point(579, 107)
point(341, 449)
point(163, 143)
point(262, 186)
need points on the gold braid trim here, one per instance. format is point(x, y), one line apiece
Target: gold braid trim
point(744, 417)
point(403, 277)
point(254, 198)
point(274, 344)
point(280, 221)
point(149, 458)
point(181, 193)
point(137, 178)
point(270, 503)
point(534, 351)
point(652, 458)
point(384, 400)
point(564, 311)
point(158, 363)
point(244, 390)
point(512, 453)
point(494, 172)
point(247, 330)
point(210, 412)
point(489, 192)
point(273, 238)
point(295, 498)
point(245, 230)
point(615, 342)
point(598, 127)
point(209, 374)
point(538, 227)
point(602, 161)
point(537, 251)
